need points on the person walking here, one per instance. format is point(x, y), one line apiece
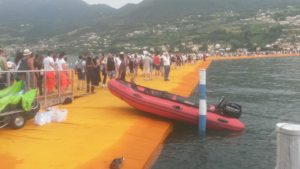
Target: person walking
point(156, 62)
point(23, 64)
point(49, 66)
point(80, 71)
point(31, 75)
point(97, 71)
point(38, 65)
point(62, 68)
point(90, 75)
point(103, 62)
point(147, 65)
point(122, 68)
point(167, 65)
point(111, 66)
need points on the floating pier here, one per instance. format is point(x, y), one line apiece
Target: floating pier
point(99, 128)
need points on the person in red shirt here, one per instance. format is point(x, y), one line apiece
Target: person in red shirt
point(156, 61)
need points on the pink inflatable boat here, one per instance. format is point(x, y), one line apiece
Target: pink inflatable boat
point(220, 117)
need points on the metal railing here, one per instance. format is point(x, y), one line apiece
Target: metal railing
point(53, 87)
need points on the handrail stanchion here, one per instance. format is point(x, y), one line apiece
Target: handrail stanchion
point(72, 80)
point(202, 102)
point(27, 79)
point(8, 79)
point(45, 88)
point(59, 88)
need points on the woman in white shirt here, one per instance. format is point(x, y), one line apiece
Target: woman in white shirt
point(62, 71)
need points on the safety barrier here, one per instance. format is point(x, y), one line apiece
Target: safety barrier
point(54, 87)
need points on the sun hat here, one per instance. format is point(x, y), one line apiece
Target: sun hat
point(27, 52)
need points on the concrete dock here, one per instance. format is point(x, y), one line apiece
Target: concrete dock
point(99, 128)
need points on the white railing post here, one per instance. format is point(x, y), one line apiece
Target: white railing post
point(288, 146)
point(45, 88)
point(59, 84)
point(202, 102)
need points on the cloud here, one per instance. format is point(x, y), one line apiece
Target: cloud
point(112, 3)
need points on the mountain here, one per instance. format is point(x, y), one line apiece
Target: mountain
point(166, 10)
point(49, 17)
point(27, 20)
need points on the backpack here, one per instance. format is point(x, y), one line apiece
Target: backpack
point(23, 64)
point(79, 66)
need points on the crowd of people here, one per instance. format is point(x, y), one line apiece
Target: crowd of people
point(96, 70)
point(52, 70)
point(33, 69)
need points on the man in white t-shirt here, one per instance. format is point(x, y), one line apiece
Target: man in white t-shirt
point(147, 65)
point(49, 66)
point(167, 64)
point(48, 61)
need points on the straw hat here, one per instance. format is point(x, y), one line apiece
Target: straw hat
point(27, 52)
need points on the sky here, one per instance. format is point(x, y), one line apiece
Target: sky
point(112, 3)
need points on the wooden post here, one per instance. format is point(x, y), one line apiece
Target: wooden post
point(288, 146)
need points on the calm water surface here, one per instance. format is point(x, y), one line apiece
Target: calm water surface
point(268, 90)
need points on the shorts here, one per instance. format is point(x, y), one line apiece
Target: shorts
point(146, 69)
point(80, 75)
point(157, 67)
point(111, 74)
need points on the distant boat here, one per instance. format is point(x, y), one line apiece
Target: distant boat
point(170, 106)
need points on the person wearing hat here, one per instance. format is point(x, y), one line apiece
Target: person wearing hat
point(32, 81)
point(3, 67)
point(23, 65)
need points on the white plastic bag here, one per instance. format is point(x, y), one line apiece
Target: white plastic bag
point(59, 115)
point(41, 118)
point(48, 115)
point(52, 114)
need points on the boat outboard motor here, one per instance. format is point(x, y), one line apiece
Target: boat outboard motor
point(229, 109)
point(232, 110)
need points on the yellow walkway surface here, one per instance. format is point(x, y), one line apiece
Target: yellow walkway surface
point(99, 128)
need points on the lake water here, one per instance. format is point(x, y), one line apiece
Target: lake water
point(268, 90)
